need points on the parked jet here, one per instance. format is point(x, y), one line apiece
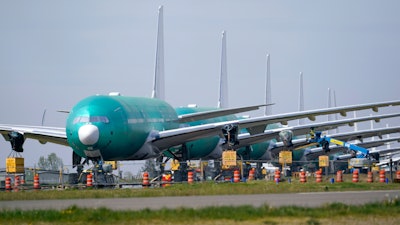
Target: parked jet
point(117, 127)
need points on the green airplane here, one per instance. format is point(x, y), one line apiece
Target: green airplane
point(117, 127)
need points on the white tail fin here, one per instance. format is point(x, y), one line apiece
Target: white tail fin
point(335, 105)
point(329, 106)
point(301, 97)
point(356, 126)
point(268, 99)
point(223, 80)
point(388, 146)
point(373, 137)
point(159, 76)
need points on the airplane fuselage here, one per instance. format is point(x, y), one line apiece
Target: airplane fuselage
point(117, 127)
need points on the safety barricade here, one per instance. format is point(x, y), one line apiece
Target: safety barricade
point(277, 176)
point(339, 176)
point(318, 176)
point(251, 174)
point(36, 183)
point(16, 183)
point(236, 176)
point(382, 176)
point(145, 182)
point(163, 180)
point(8, 183)
point(89, 180)
point(190, 177)
point(355, 176)
point(303, 178)
point(370, 177)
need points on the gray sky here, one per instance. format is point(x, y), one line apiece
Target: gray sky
point(53, 54)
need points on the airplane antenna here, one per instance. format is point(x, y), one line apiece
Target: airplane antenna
point(43, 116)
point(223, 80)
point(159, 76)
point(268, 99)
point(301, 97)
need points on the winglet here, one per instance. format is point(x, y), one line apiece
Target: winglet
point(223, 80)
point(159, 76)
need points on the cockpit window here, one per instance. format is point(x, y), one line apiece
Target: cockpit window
point(91, 119)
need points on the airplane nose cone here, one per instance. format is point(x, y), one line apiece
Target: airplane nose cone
point(88, 134)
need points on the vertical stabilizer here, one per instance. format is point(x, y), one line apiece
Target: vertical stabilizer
point(159, 76)
point(388, 145)
point(329, 100)
point(335, 105)
point(223, 80)
point(268, 99)
point(329, 106)
point(373, 137)
point(356, 126)
point(301, 97)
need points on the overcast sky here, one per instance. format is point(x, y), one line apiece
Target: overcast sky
point(54, 53)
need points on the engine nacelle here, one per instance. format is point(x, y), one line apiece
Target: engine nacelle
point(230, 133)
point(286, 136)
point(17, 141)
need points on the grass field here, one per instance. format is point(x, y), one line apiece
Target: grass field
point(204, 188)
point(387, 212)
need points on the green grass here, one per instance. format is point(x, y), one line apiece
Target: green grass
point(209, 215)
point(205, 188)
point(387, 212)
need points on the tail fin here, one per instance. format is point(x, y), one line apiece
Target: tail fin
point(223, 80)
point(335, 105)
point(268, 99)
point(301, 97)
point(159, 76)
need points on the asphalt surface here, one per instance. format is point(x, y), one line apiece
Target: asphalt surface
point(313, 199)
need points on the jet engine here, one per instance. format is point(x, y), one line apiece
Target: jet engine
point(17, 140)
point(286, 137)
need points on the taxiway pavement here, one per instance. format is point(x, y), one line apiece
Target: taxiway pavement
point(313, 199)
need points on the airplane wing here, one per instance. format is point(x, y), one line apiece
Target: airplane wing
point(257, 125)
point(43, 134)
point(380, 152)
point(170, 138)
point(216, 113)
point(314, 153)
point(347, 136)
point(247, 139)
point(360, 135)
point(395, 158)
